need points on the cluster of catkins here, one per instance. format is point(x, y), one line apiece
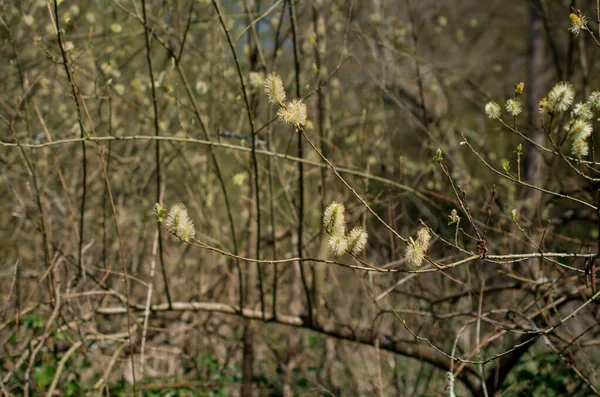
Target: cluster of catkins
point(415, 250)
point(560, 99)
point(335, 225)
point(579, 128)
point(289, 112)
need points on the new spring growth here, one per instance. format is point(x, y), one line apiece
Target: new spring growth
point(159, 211)
point(179, 223)
point(559, 99)
point(579, 128)
point(580, 148)
point(519, 89)
point(514, 106)
point(333, 219)
point(335, 225)
point(493, 110)
point(416, 249)
point(357, 240)
point(274, 89)
point(293, 112)
point(578, 22)
point(454, 218)
point(289, 112)
point(583, 111)
point(594, 100)
point(338, 245)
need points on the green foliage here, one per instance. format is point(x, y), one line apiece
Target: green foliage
point(43, 374)
point(33, 321)
point(544, 375)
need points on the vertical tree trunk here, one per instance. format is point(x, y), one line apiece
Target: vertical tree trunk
point(533, 172)
point(533, 161)
point(248, 360)
point(324, 128)
point(254, 236)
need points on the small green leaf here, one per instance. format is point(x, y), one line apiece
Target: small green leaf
point(159, 211)
point(44, 374)
point(454, 218)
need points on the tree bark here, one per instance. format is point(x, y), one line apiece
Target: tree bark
point(533, 161)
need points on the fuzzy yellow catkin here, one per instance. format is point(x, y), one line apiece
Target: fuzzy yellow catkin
point(519, 88)
point(560, 98)
point(424, 238)
point(338, 244)
point(294, 112)
point(594, 100)
point(580, 148)
point(333, 219)
point(415, 250)
point(335, 225)
point(579, 129)
point(544, 106)
point(179, 223)
point(583, 111)
point(414, 254)
point(514, 106)
point(357, 240)
point(492, 110)
point(578, 22)
point(274, 89)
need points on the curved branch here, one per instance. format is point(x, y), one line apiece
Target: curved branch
point(362, 335)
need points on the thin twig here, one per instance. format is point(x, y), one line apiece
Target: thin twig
point(157, 144)
point(61, 366)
